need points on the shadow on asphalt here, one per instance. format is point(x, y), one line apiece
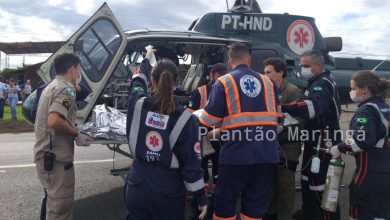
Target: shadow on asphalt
point(108, 205)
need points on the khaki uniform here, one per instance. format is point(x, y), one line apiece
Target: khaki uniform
point(283, 185)
point(59, 96)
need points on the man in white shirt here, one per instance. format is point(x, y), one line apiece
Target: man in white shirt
point(26, 89)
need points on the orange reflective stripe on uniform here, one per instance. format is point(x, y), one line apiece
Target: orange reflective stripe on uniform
point(253, 123)
point(203, 96)
point(250, 118)
point(269, 94)
point(210, 120)
point(221, 218)
point(231, 92)
point(245, 217)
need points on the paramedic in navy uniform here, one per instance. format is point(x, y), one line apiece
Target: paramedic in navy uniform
point(322, 110)
point(244, 102)
point(163, 137)
point(369, 191)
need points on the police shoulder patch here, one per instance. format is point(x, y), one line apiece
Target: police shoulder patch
point(70, 92)
point(361, 120)
point(66, 103)
point(317, 88)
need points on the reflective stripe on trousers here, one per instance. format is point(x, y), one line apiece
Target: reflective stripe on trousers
point(319, 188)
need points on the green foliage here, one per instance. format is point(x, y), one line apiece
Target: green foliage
point(7, 113)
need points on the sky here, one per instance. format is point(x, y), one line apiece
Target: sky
point(364, 25)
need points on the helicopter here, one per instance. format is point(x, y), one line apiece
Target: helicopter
point(109, 55)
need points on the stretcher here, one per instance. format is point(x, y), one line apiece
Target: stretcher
point(115, 146)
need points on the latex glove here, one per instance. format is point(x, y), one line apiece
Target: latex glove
point(150, 54)
point(334, 151)
point(150, 48)
point(214, 134)
point(203, 211)
point(198, 113)
point(82, 140)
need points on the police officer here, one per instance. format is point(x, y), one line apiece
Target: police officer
point(369, 140)
point(322, 110)
point(282, 200)
point(55, 134)
point(244, 105)
point(164, 139)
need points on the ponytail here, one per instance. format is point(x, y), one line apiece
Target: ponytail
point(384, 87)
point(165, 94)
point(165, 74)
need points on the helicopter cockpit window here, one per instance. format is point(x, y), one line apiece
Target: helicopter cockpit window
point(258, 56)
point(97, 47)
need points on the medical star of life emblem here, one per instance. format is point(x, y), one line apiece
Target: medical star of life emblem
point(300, 36)
point(154, 141)
point(250, 85)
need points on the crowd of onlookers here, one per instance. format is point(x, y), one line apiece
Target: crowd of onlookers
point(11, 92)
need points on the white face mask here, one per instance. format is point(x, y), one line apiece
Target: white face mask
point(306, 73)
point(354, 98)
point(78, 80)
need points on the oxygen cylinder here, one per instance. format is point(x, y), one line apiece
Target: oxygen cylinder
point(333, 184)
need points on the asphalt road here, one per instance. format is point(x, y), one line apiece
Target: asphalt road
point(99, 195)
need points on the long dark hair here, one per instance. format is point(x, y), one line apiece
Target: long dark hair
point(376, 85)
point(165, 74)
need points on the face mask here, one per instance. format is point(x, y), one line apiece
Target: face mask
point(354, 98)
point(78, 80)
point(306, 73)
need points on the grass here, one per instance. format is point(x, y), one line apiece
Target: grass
point(7, 125)
point(8, 116)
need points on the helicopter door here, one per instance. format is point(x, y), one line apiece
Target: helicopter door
point(99, 43)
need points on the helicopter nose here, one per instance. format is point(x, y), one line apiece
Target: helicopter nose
point(28, 108)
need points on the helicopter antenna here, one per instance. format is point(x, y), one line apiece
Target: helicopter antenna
point(227, 5)
point(245, 6)
point(380, 64)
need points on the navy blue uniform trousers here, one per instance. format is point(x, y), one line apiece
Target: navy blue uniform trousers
point(145, 204)
point(251, 181)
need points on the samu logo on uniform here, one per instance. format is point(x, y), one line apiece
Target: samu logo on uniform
point(154, 141)
point(250, 85)
point(156, 120)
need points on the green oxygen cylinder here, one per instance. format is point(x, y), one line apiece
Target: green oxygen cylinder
point(333, 184)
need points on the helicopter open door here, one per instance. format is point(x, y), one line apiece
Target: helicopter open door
point(99, 43)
